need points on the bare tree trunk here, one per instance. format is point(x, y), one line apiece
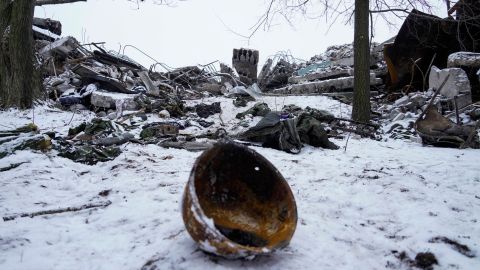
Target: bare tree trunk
point(361, 94)
point(5, 13)
point(19, 80)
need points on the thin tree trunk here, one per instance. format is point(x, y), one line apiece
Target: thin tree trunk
point(5, 12)
point(361, 94)
point(18, 77)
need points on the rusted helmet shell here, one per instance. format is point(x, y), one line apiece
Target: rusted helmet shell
point(237, 204)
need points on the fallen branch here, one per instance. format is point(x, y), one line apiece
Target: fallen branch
point(60, 210)
point(12, 166)
point(56, 2)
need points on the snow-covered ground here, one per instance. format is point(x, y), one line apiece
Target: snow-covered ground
point(358, 209)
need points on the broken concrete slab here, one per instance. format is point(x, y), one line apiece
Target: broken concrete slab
point(245, 61)
point(322, 75)
point(61, 47)
point(212, 88)
point(151, 88)
point(323, 86)
point(40, 34)
point(265, 69)
point(278, 75)
point(456, 84)
point(114, 58)
point(90, 76)
point(108, 100)
point(464, 59)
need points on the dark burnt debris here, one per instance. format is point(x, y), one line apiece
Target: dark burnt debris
point(424, 85)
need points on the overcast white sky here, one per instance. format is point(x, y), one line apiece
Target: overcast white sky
point(195, 31)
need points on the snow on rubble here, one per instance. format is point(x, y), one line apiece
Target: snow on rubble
point(364, 207)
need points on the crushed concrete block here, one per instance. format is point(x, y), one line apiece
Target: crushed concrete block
point(323, 86)
point(401, 101)
point(464, 59)
point(213, 88)
point(457, 82)
point(324, 74)
point(245, 61)
point(394, 113)
point(65, 88)
point(62, 47)
point(112, 116)
point(278, 76)
point(399, 117)
point(108, 100)
point(418, 100)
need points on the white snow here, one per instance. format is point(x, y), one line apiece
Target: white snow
point(355, 207)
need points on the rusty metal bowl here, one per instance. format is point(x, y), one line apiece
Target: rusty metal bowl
point(237, 204)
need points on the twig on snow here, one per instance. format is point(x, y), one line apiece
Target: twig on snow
point(60, 210)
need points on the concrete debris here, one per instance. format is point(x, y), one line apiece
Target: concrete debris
point(61, 47)
point(124, 94)
point(109, 100)
point(325, 86)
point(245, 62)
point(278, 76)
point(424, 40)
point(457, 83)
point(470, 63)
point(464, 59)
point(327, 74)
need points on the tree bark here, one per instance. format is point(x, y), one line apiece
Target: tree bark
point(18, 77)
point(361, 94)
point(5, 13)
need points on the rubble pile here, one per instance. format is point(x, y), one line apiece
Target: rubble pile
point(134, 104)
point(106, 80)
point(329, 72)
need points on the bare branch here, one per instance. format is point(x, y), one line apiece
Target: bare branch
point(56, 2)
